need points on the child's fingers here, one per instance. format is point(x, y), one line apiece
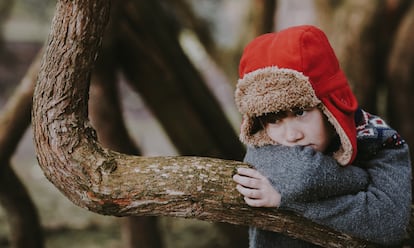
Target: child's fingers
point(248, 182)
point(249, 172)
point(248, 192)
point(260, 200)
point(256, 188)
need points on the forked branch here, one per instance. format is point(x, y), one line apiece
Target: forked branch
point(111, 183)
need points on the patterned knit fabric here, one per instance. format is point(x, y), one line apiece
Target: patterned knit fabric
point(374, 134)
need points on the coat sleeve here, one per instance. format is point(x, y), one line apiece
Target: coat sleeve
point(381, 212)
point(300, 174)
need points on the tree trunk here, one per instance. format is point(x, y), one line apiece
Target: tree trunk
point(112, 183)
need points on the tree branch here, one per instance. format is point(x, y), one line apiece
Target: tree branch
point(112, 183)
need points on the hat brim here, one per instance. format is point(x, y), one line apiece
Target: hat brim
point(272, 89)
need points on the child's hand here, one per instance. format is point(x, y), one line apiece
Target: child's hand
point(256, 188)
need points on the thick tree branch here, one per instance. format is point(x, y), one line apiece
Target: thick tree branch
point(116, 184)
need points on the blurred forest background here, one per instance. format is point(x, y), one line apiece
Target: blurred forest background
point(373, 40)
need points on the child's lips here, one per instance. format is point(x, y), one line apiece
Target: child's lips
point(313, 146)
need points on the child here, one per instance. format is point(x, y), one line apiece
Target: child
point(314, 151)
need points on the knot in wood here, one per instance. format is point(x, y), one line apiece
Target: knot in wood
point(107, 166)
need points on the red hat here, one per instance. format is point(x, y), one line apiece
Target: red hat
point(295, 67)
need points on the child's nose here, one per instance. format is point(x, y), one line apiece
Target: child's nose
point(293, 133)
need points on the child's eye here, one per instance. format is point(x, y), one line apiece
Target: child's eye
point(300, 112)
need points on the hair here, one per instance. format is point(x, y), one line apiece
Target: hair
point(261, 121)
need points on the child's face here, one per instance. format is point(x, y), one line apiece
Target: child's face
point(303, 127)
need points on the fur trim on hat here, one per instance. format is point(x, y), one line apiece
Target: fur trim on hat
point(272, 89)
point(267, 90)
point(278, 90)
point(344, 153)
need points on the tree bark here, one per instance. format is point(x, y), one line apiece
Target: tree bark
point(26, 230)
point(112, 183)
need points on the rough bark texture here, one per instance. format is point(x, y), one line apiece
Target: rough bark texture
point(25, 227)
point(112, 183)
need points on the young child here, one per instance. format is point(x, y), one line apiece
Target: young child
point(314, 151)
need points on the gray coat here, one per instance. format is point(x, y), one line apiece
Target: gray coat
point(370, 199)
